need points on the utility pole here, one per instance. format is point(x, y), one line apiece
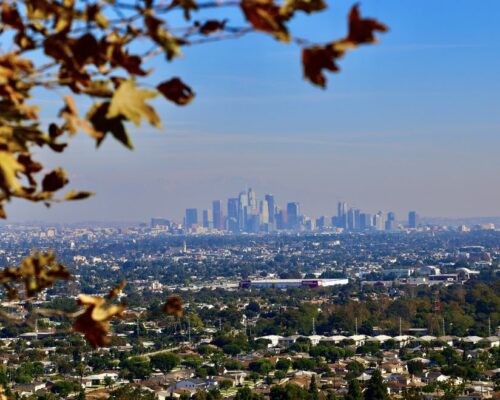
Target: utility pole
point(314, 327)
point(400, 328)
point(137, 333)
point(356, 325)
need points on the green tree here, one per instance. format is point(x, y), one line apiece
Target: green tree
point(289, 392)
point(283, 364)
point(136, 368)
point(376, 388)
point(354, 391)
point(245, 393)
point(165, 362)
point(313, 389)
point(128, 392)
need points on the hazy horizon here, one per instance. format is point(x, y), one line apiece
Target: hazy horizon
point(409, 124)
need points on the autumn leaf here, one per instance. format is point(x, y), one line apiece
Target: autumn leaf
point(73, 122)
point(11, 17)
point(169, 43)
point(173, 306)
point(54, 180)
point(186, 5)
point(129, 102)
point(115, 291)
point(307, 6)
point(93, 322)
point(9, 170)
point(74, 195)
point(316, 59)
point(177, 91)
point(266, 16)
point(36, 272)
point(362, 30)
point(2, 393)
point(101, 123)
point(211, 26)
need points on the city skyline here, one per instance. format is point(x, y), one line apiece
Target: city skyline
point(410, 121)
point(250, 213)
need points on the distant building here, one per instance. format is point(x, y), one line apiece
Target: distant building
point(341, 221)
point(218, 217)
point(282, 219)
point(412, 219)
point(365, 221)
point(293, 213)
point(157, 222)
point(232, 215)
point(285, 283)
point(379, 221)
point(271, 205)
point(390, 223)
point(207, 219)
point(191, 217)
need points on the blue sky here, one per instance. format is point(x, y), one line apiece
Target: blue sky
point(410, 123)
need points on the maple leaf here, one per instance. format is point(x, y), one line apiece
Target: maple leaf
point(186, 5)
point(163, 37)
point(211, 26)
point(74, 122)
point(173, 306)
point(266, 16)
point(317, 58)
point(115, 291)
point(9, 170)
point(307, 6)
point(37, 272)
point(177, 91)
point(129, 102)
point(74, 195)
point(97, 116)
point(93, 322)
point(54, 180)
point(362, 30)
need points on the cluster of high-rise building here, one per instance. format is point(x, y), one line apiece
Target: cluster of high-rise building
point(246, 213)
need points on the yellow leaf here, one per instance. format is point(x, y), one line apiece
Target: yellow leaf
point(9, 168)
point(74, 195)
point(129, 103)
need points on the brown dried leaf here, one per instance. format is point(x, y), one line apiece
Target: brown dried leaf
point(102, 124)
point(186, 5)
point(37, 272)
point(54, 180)
point(114, 292)
point(173, 306)
point(74, 195)
point(177, 91)
point(212, 26)
point(308, 6)
point(157, 32)
point(317, 58)
point(94, 321)
point(266, 16)
point(362, 30)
